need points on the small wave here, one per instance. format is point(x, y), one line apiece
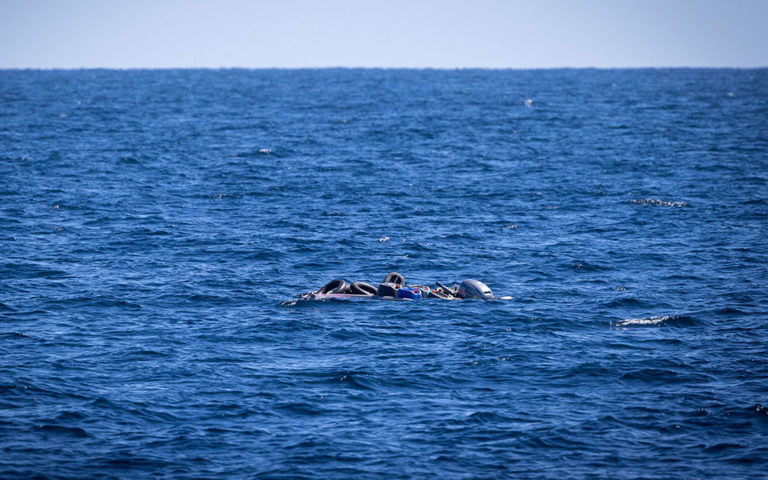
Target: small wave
point(127, 460)
point(722, 447)
point(61, 430)
point(586, 370)
point(357, 380)
point(658, 203)
point(256, 153)
point(652, 375)
point(301, 408)
point(665, 320)
point(98, 301)
point(730, 311)
point(626, 302)
point(70, 415)
point(128, 160)
point(486, 416)
point(143, 353)
point(204, 298)
point(28, 270)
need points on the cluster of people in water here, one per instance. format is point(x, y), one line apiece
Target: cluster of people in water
point(394, 286)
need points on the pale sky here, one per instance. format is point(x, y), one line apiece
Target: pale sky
point(391, 33)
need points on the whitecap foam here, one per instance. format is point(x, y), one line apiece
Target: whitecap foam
point(655, 321)
point(658, 203)
point(643, 321)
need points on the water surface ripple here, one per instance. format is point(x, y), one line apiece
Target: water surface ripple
point(154, 225)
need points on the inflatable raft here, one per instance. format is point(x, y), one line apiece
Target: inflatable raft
point(394, 287)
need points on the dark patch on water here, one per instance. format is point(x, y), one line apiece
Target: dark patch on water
point(76, 432)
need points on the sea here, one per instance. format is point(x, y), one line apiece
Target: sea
point(158, 226)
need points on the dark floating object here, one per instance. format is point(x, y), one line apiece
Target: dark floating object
point(362, 288)
point(334, 286)
point(394, 287)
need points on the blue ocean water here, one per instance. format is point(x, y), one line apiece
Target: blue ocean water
point(155, 226)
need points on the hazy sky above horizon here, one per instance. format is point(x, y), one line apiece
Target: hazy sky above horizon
point(393, 33)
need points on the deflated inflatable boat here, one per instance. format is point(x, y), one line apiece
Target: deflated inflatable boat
point(394, 287)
